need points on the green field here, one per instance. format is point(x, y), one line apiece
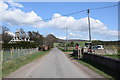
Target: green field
point(81, 43)
point(56, 44)
point(111, 47)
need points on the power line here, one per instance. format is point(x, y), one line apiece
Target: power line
point(65, 15)
point(75, 12)
point(80, 12)
point(105, 7)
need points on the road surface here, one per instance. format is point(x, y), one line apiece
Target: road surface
point(53, 65)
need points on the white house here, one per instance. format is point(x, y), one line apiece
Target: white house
point(19, 36)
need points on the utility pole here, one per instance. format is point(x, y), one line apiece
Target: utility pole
point(89, 28)
point(66, 38)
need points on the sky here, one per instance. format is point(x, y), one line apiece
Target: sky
point(29, 16)
point(64, 0)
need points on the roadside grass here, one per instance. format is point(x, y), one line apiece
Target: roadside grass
point(113, 56)
point(15, 64)
point(94, 67)
point(103, 70)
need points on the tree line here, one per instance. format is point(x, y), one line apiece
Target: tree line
point(35, 36)
point(105, 42)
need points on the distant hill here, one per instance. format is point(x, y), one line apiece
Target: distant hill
point(78, 40)
point(71, 40)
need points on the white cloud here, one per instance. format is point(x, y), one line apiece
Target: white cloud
point(19, 17)
point(14, 4)
point(61, 37)
point(3, 7)
point(72, 34)
point(75, 36)
point(80, 25)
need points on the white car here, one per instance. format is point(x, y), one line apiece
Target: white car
point(99, 47)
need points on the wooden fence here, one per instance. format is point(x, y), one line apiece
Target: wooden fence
point(9, 54)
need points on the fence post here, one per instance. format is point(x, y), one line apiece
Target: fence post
point(18, 52)
point(30, 50)
point(11, 53)
point(21, 52)
point(37, 49)
point(25, 51)
point(2, 51)
point(33, 50)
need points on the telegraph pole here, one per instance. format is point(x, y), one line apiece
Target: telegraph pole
point(89, 27)
point(66, 38)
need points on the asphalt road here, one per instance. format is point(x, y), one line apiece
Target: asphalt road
point(53, 65)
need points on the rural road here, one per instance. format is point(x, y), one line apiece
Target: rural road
point(53, 65)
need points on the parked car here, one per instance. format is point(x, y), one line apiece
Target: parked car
point(98, 47)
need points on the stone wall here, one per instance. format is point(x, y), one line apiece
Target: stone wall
point(105, 51)
point(110, 63)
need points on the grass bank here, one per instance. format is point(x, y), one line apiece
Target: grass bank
point(15, 64)
point(112, 56)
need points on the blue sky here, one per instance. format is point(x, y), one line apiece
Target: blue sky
point(44, 10)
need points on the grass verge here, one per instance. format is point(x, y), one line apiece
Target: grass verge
point(15, 64)
point(95, 69)
point(112, 56)
point(83, 62)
